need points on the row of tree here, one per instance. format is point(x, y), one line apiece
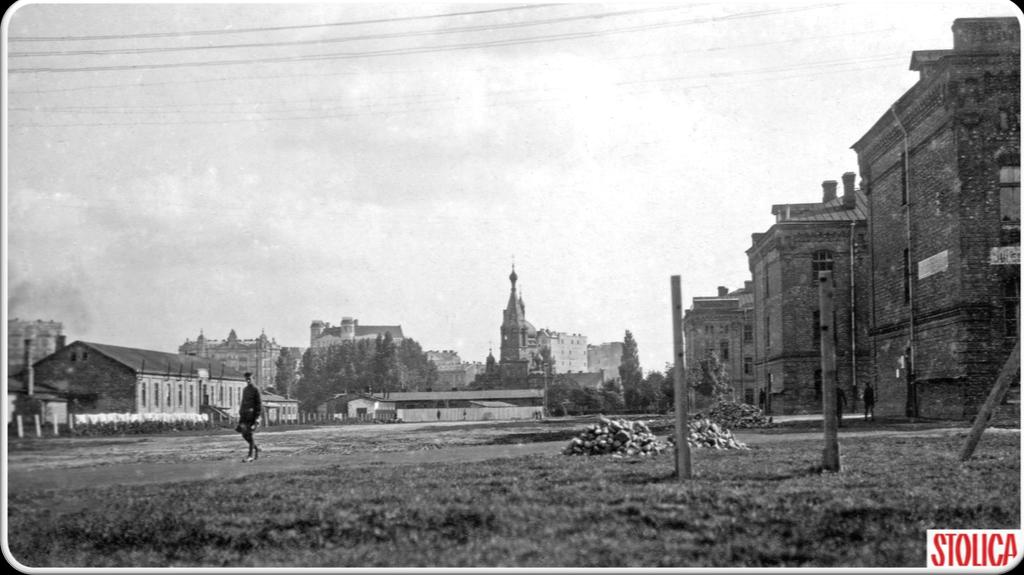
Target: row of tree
point(378, 366)
point(637, 392)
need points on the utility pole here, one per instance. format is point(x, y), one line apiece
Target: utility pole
point(826, 296)
point(681, 393)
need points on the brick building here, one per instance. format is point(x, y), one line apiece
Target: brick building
point(724, 325)
point(784, 262)
point(941, 169)
point(258, 355)
point(100, 378)
point(45, 337)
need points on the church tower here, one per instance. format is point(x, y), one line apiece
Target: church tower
point(518, 336)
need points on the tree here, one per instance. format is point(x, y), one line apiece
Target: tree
point(710, 377)
point(286, 376)
point(630, 374)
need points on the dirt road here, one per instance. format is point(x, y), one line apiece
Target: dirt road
point(82, 462)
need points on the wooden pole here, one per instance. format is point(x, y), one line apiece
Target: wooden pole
point(826, 296)
point(56, 430)
point(21, 428)
point(39, 427)
point(682, 399)
point(1006, 375)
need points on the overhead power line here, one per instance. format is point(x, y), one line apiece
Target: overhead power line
point(415, 105)
point(364, 37)
point(422, 50)
point(226, 31)
point(218, 79)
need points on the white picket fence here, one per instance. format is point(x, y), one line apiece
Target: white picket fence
point(468, 413)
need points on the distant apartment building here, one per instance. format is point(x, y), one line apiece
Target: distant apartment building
point(452, 372)
point(605, 358)
point(808, 238)
point(941, 170)
point(323, 334)
point(568, 350)
point(42, 339)
point(724, 325)
point(258, 356)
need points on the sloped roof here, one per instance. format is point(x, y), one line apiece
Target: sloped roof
point(365, 330)
point(468, 395)
point(267, 396)
point(161, 363)
point(368, 331)
point(830, 211)
point(492, 404)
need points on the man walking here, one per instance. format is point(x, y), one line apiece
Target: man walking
point(248, 415)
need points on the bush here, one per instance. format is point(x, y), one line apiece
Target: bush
point(138, 423)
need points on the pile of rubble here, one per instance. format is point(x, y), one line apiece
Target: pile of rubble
point(732, 415)
point(707, 433)
point(615, 436)
point(620, 437)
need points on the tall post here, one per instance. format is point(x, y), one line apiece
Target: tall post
point(826, 295)
point(1006, 375)
point(681, 393)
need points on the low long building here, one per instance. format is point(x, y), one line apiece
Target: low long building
point(479, 405)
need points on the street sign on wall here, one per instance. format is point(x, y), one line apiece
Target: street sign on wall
point(1004, 256)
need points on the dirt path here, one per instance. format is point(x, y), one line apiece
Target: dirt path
point(139, 460)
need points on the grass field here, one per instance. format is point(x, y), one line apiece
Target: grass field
point(766, 506)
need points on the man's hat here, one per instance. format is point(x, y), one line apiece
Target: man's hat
point(248, 374)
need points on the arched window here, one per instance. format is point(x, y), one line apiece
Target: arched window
point(822, 262)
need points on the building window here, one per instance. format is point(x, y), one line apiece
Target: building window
point(85, 355)
point(709, 329)
point(821, 262)
point(191, 396)
point(906, 275)
point(1011, 306)
point(74, 356)
point(143, 398)
point(767, 286)
point(169, 391)
point(723, 347)
point(904, 183)
point(1009, 193)
point(748, 365)
point(181, 395)
point(768, 332)
point(816, 328)
point(748, 333)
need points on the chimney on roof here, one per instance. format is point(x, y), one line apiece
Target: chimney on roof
point(62, 340)
point(828, 190)
point(723, 291)
point(849, 200)
point(29, 372)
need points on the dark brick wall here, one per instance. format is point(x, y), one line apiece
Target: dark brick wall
point(963, 124)
point(94, 383)
point(794, 357)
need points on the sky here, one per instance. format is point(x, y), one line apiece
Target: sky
point(177, 168)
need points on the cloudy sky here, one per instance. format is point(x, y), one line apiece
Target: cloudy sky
point(172, 168)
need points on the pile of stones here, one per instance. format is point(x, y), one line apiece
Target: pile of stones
point(732, 415)
point(705, 433)
point(615, 437)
